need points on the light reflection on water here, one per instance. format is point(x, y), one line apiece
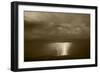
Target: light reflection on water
point(56, 50)
point(61, 48)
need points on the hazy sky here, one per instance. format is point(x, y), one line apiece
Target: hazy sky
point(42, 25)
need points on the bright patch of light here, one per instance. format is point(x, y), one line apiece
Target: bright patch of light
point(61, 48)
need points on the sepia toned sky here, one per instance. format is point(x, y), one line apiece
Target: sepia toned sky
point(48, 25)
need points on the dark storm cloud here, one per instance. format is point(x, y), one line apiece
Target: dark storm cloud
point(40, 25)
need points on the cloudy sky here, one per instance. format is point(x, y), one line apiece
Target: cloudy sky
point(59, 26)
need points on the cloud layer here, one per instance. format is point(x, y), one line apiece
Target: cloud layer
point(58, 26)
